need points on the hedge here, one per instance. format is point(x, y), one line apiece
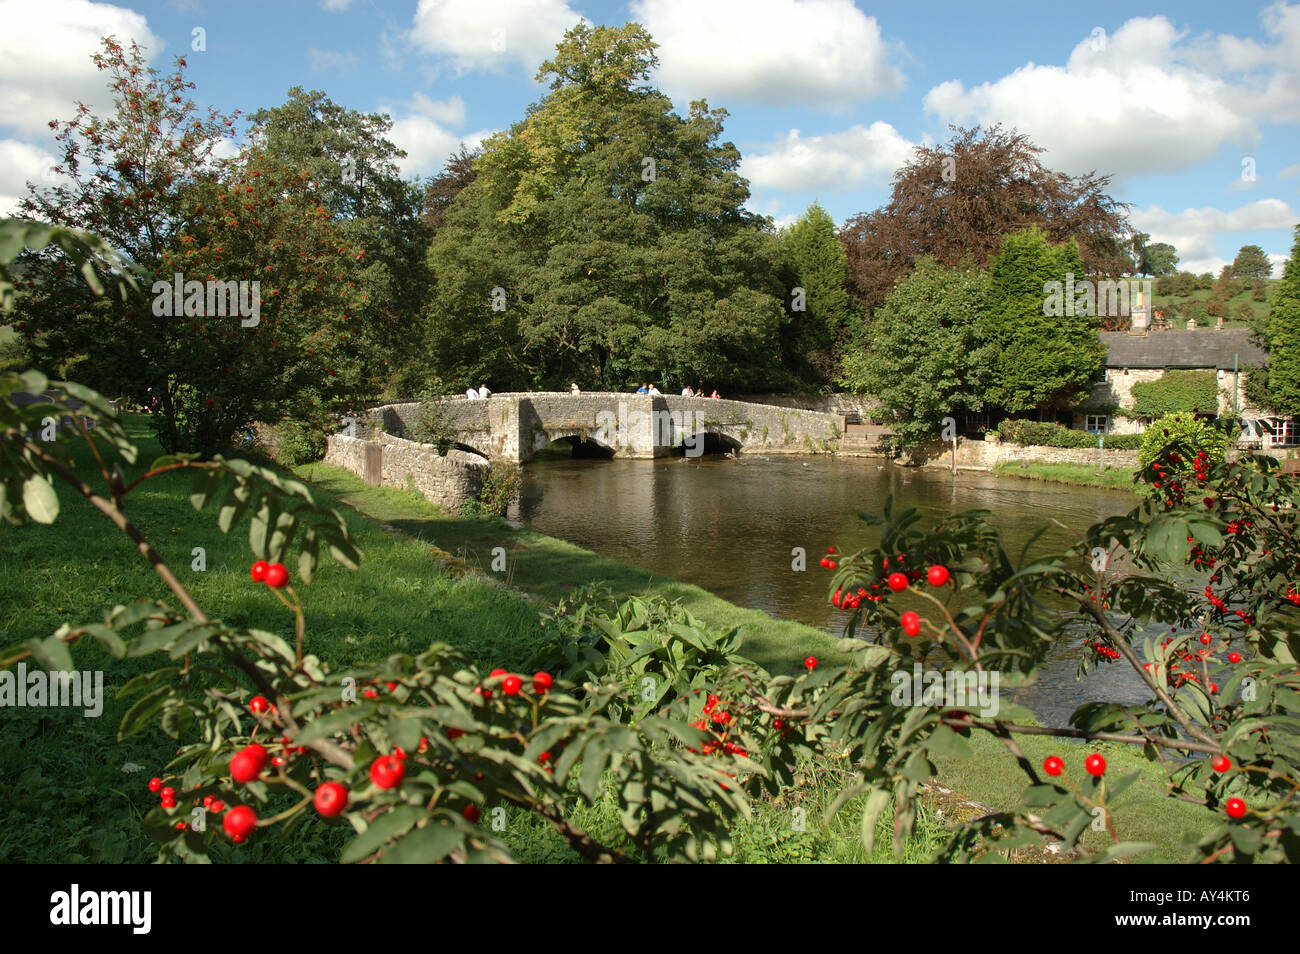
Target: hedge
point(1177, 391)
point(1051, 434)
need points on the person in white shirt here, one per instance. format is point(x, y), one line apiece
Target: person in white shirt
point(483, 392)
point(573, 389)
point(687, 392)
point(655, 390)
point(471, 394)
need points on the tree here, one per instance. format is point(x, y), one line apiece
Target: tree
point(925, 357)
point(1251, 262)
point(959, 199)
point(352, 167)
point(146, 178)
point(604, 240)
point(1158, 260)
point(821, 314)
point(1040, 360)
point(441, 190)
point(1283, 334)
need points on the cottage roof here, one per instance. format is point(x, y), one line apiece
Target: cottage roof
point(1177, 348)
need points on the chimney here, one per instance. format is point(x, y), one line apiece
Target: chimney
point(1138, 322)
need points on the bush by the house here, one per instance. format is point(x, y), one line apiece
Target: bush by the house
point(1051, 434)
point(1177, 391)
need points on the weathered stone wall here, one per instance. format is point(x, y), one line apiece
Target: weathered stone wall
point(446, 481)
point(985, 455)
point(861, 404)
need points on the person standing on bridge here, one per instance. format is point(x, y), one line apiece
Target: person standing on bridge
point(643, 389)
point(574, 389)
point(483, 392)
point(714, 395)
point(471, 394)
point(687, 392)
point(654, 390)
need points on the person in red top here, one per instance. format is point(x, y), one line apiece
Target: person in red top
point(714, 395)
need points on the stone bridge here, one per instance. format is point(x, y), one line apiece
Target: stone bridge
point(515, 426)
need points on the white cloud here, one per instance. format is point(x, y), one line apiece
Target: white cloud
point(1145, 99)
point(427, 133)
point(1192, 231)
point(491, 34)
point(1290, 172)
point(818, 53)
point(45, 57)
point(325, 60)
point(21, 163)
point(335, 6)
point(835, 161)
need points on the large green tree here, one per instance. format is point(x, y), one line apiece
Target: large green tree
point(822, 316)
point(603, 240)
point(1282, 332)
point(1042, 360)
point(925, 356)
point(352, 169)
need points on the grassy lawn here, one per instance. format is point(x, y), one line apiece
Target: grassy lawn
point(1080, 475)
point(70, 792)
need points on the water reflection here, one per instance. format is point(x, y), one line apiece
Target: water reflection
point(730, 525)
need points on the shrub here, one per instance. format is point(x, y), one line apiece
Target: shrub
point(1177, 391)
point(501, 488)
point(430, 425)
point(1259, 293)
point(1199, 312)
point(1191, 434)
point(297, 443)
point(1051, 434)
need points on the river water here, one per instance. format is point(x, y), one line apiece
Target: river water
point(729, 526)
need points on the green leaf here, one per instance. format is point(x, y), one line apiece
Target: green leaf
point(51, 653)
point(876, 803)
point(387, 826)
point(424, 846)
point(39, 499)
point(140, 714)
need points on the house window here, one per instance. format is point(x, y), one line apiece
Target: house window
point(975, 423)
point(1284, 432)
point(1102, 377)
point(1095, 423)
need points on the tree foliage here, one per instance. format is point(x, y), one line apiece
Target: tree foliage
point(925, 356)
point(1282, 331)
point(1039, 360)
point(1252, 263)
point(957, 200)
point(603, 240)
point(819, 328)
point(1177, 391)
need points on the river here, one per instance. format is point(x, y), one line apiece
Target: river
point(729, 526)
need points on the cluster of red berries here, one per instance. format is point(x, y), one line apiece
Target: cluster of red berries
point(715, 711)
point(512, 684)
point(273, 575)
point(1100, 595)
point(1106, 652)
point(826, 561)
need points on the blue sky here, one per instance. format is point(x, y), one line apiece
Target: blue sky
point(1193, 108)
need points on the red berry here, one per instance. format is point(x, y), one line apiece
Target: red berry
point(830, 564)
point(218, 806)
point(1234, 657)
point(276, 575)
point(471, 813)
point(810, 663)
point(830, 549)
point(897, 581)
point(155, 784)
point(511, 685)
point(1053, 765)
point(542, 682)
point(181, 826)
point(1205, 639)
point(258, 704)
point(1095, 765)
point(168, 793)
point(454, 733)
point(937, 575)
point(497, 672)
point(1235, 808)
point(1221, 764)
point(825, 561)
point(248, 763)
point(239, 821)
point(258, 572)
point(331, 798)
point(387, 771)
point(911, 623)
